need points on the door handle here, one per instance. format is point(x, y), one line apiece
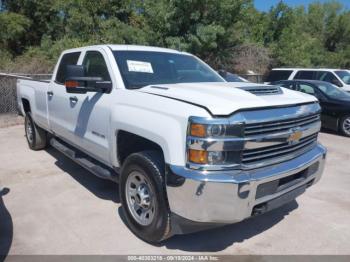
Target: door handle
point(50, 93)
point(73, 99)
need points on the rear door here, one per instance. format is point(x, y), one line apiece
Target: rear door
point(60, 108)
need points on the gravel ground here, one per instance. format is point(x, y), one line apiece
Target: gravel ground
point(53, 206)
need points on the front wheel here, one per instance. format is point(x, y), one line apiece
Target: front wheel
point(143, 197)
point(345, 125)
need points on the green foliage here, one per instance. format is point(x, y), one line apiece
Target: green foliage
point(13, 27)
point(204, 27)
point(228, 34)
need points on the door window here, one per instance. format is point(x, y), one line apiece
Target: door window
point(328, 77)
point(277, 75)
point(95, 65)
point(305, 74)
point(288, 85)
point(306, 89)
point(67, 59)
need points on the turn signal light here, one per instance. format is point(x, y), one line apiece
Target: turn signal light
point(198, 130)
point(71, 84)
point(198, 156)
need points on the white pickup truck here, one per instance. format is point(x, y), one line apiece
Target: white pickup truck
point(188, 149)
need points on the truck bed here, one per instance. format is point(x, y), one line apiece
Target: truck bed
point(36, 92)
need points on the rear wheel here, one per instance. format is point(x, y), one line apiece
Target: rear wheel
point(345, 125)
point(36, 136)
point(143, 197)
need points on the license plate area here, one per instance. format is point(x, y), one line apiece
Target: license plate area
point(279, 201)
point(278, 185)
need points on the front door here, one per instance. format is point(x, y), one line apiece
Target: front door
point(92, 114)
point(83, 120)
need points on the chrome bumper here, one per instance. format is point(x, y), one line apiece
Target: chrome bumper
point(230, 196)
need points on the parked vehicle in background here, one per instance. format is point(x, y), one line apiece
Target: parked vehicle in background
point(188, 149)
point(234, 78)
point(337, 77)
point(335, 103)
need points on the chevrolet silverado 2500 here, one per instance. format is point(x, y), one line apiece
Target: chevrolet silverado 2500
point(188, 149)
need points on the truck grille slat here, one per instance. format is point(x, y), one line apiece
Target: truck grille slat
point(252, 155)
point(265, 128)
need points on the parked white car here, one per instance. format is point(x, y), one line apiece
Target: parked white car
point(338, 77)
point(189, 150)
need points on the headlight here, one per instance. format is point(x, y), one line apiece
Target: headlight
point(207, 143)
point(204, 130)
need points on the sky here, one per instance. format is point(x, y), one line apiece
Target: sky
point(264, 5)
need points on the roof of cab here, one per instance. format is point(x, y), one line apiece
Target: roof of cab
point(131, 48)
point(309, 69)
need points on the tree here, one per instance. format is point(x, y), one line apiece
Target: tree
point(13, 28)
point(207, 28)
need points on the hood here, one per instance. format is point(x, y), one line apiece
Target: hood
point(225, 98)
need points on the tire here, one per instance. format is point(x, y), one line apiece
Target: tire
point(344, 125)
point(36, 136)
point(142, 182)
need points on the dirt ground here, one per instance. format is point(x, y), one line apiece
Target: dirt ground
point(50, 205)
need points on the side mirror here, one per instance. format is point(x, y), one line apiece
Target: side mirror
point(77, 83)
point(223, 73)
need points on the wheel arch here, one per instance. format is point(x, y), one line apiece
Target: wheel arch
point(129, 143)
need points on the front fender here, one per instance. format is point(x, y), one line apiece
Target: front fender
point(158, 119)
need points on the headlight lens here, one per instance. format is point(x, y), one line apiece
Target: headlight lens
point(214, 130)
point(198, 130)
point(206, 143)
point(206, 157)
point(198, 156)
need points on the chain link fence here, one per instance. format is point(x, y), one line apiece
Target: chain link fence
point(8, 90)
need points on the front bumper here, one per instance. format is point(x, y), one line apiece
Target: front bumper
point(223, 197)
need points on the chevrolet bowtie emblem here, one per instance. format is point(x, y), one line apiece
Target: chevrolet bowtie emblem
point(295, 137)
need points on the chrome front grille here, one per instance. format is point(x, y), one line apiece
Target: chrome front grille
point(279, 126)
point(266, 136)
point(262, 155)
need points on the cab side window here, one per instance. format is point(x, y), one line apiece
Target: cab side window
point(67, 59)
point(95, 65)
point(305, 74)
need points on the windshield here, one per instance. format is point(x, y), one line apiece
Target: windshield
point(333, 91)
point(142, 68)
point(344, 76)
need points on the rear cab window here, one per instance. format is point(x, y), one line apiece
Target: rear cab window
point(277, 75)
point(67, 59)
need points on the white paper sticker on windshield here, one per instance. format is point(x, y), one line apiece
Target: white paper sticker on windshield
point(139, 66)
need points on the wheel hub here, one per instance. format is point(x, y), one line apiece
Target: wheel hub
point(29, 132)
point(346, 126)
point(140, 200)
